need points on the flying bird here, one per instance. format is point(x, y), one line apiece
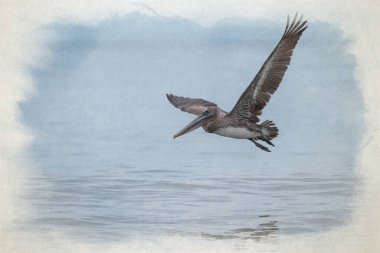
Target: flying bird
point(242, 122)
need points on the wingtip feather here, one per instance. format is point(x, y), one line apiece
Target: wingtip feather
point(296, 27)
point(170, 98)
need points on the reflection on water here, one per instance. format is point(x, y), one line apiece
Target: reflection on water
point(262, 231)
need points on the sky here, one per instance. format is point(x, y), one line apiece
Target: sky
point(115, 76)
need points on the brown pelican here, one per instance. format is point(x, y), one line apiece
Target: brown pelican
point(243, 122)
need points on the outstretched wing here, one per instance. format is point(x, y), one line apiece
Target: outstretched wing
point(267, 80)
point(191, 105)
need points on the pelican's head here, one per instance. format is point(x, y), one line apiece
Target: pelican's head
point(201, 120)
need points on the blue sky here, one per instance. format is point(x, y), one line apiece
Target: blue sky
point(115, 75)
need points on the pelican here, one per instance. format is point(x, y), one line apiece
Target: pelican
point(242, 122)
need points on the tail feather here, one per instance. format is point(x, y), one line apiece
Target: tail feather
point(268, 130)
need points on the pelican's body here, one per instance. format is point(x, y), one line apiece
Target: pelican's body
point(237, 132)
point(228, 127)
point(242, 121)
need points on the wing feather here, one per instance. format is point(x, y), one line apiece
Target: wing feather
point(191, 105)
point(258, 93)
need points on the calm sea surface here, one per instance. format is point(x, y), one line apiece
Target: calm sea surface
point(110, 203)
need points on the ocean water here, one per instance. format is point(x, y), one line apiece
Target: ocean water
point(106, 164)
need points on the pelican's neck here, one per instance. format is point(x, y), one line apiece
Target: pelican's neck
point(216, 122)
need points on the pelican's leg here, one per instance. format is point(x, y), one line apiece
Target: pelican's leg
point(268, 141)
point(259, 145)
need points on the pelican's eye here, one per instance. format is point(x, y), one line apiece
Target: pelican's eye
point(206, 112)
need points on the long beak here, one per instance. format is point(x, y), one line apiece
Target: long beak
point(198, 122)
